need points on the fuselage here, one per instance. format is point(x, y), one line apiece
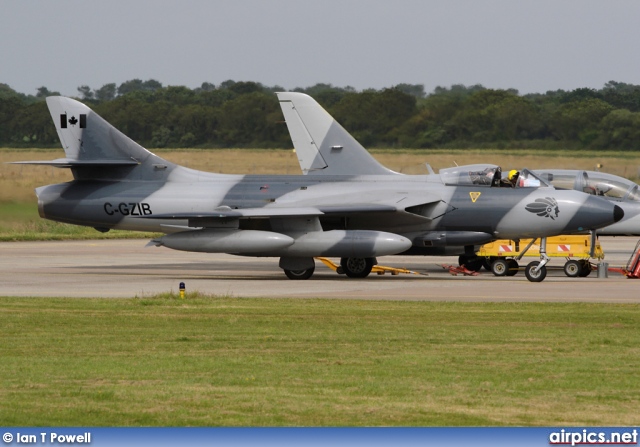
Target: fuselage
point(417, 207)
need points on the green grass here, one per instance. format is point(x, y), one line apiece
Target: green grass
point(224, 361)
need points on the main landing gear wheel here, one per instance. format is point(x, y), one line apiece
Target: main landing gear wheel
point(586, 268)
point(532, 275)
point(471, 262)
point(573, 269)
point(357, 267)
point(512, 267)
point(300, 274)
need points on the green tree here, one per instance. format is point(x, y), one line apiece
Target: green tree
point(195, 125)
point(579, 120)
point(326, 94)
point(31, 126)
point(243, 88)
point(374, 117)
point(416, 90)
point(251, 120)
point(620, 129)
point(474, 120)
point(137, 85)
point(580, 94)
point(106, 93)
point(205, 87)
point(9, 107)
point(622, 95)
point(515, 118)
point(86, 92)
point(160, 137)
point(44, 92)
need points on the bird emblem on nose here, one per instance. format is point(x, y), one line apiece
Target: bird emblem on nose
point(547, 207)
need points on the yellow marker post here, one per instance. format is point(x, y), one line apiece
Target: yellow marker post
point(182, 289)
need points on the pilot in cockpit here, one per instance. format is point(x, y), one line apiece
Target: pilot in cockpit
point(512, 179)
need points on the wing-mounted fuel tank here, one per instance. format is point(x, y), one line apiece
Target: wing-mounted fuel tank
point(342, 243)
point(225, 241)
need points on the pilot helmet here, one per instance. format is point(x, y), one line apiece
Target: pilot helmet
point(513, 174)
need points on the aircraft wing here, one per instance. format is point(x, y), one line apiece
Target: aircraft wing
point(267, 212)
point(397, 205)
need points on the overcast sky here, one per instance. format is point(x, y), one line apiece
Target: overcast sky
point(532, 46)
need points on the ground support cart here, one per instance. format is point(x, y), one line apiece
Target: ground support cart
point(501, 257)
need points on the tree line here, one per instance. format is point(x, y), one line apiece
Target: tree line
point(247, 114)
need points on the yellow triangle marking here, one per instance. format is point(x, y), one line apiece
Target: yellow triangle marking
point(474, 196)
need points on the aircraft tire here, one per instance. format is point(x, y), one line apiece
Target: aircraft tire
point(471, 262)
point(586, 268)
point(356, 267)
point(531, 275)
point(573, 269)
point(512, 267)
point(500, 267)
point(300, 274)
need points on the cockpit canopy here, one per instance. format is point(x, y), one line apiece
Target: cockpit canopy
point(489, 175)
point(592, 182)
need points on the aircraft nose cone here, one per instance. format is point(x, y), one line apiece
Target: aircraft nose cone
point(595, 212)
point(618, 213)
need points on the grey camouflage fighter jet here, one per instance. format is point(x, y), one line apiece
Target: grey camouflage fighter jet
point(356, 217)
point(314, 131)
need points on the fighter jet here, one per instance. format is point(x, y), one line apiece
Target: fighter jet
point(343, 213)
point(315, 134)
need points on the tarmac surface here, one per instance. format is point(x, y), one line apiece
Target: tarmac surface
point(126, 268)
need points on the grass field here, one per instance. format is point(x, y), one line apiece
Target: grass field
point(224, 361)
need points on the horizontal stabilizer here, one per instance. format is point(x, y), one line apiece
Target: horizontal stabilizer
point(71, 163)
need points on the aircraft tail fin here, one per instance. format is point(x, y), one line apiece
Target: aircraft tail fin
point(94, 149)
point(322, 145)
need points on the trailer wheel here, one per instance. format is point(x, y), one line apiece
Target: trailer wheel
point(573, 268)
point(299, 274)
point(500, 267)
point(512, 267)
point(534, 276)
point(357, 267)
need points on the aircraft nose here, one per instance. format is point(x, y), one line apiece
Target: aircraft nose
point(618, 213)
point(595, 212)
